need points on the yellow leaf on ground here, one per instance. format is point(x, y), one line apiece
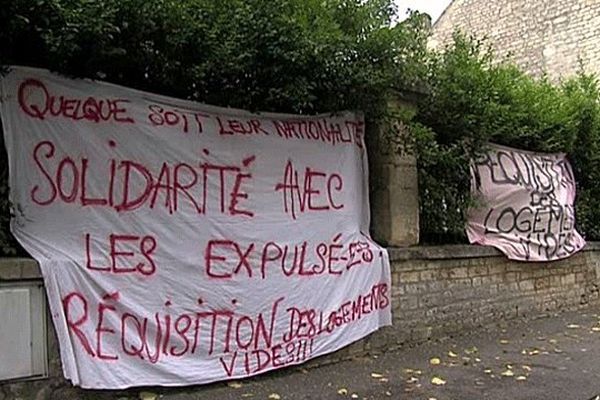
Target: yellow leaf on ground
point(504, 341)
point(596, 329)
point(436, 380)
point(274, 396)
point(412, 379)
point(148, 396)
point(471, 350)
point(521, 378)
point(553, 341)
point(384, 380)
point(487, 371)
point(534, 352)
point(376, 375)
point(452, 354)
point(435, 361)
point(388, 393)
point(343, 391)
point(526, 368)
point(418, 372)
point(478, 359)
point(408, 371)
point(508, 372)
point(354, 396)
point(573, 326)
point(234, 384)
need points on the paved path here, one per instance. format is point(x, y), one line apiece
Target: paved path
point(551, 358)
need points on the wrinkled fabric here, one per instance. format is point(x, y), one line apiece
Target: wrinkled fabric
point(182, 243)
point(524, 204)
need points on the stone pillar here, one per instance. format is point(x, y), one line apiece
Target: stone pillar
point(394, 192)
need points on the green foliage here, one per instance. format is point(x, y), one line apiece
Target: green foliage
point(298, 56)
point(471, 101)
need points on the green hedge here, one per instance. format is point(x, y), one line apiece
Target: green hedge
point(469, 101)
point(296, 56)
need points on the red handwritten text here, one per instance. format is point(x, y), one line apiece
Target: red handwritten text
point(37, 102)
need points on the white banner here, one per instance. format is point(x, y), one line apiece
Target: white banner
point(524, 204)
point(182, 243)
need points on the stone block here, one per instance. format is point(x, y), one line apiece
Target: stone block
point(409, 277)
point(568, 279)
point(459, 273)
point(527, 286)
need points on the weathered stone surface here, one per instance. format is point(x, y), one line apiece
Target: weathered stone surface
point(44, 393)
point(540, 36)
point(66, 393)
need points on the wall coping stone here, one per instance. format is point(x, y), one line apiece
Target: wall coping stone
point(455, 251)
point(20, 268)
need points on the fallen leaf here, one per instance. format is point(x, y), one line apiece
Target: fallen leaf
point(478, 359)
point(508, 372)
point(418, 372)
point(148, 396)
point(526, 368)
point(553, 341)
point(521, 378)
point(534, 352)
point(504, 341)
point(376, 375)
point(412, 379)
point(487, 371)
point(234, 384)
point(408, 371)
point(343, 391)
point(435, 361)
point(438, 381)
point(388, 393)
point(508, 366)
point(596, 329)
point(452, 354)
point(384, 380)
point(573, 326)
point(471, 350)
point(274, 396)
point(432, 398)
point(354, 396)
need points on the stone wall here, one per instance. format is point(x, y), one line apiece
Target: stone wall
point(436, 292)
point(540, 35)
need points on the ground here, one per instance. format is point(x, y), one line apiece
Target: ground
point(552, 357)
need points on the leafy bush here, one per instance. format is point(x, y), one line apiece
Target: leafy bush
point(471, 100)
point(298, 56)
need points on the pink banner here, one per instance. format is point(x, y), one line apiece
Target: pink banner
point(524, 204)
